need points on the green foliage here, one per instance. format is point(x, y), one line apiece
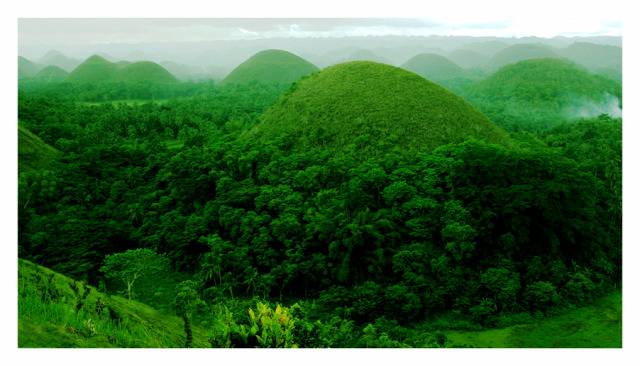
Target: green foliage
point(55, 311)
point(132, 265)
point(389, 228)
point(265, 328)
point(187, 299)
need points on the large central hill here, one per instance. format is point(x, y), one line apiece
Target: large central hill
point(365, 103)
point(96, 69)
point(271, 66)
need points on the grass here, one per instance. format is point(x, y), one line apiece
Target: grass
point(33, 153)
point(598, 325)
point(55, 311)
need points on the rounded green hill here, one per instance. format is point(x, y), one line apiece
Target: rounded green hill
point(540, 93)
point(146, 71)
point(365, 102)
point(270, 66)
point(435, 67)
point(95, 69)
point(546, 80)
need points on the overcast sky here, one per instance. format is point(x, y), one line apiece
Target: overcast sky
point(543, 18)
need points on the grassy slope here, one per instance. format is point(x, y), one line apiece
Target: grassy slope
point(271, 66)
point(349, 98)
point(598, 325)
point(56, 311)
point(51, 74)
point(33, 153)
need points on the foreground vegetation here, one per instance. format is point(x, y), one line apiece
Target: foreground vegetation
point(58, 312)
point(265, 243)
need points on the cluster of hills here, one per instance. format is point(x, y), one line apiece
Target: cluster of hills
point(487, 54)
point(358, 111)
point(97, 69)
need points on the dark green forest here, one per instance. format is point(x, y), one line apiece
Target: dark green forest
point(277, 241)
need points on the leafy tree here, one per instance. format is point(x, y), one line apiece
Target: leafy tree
point(131, 265)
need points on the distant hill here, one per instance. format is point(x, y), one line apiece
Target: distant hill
point(468, 59)
point(435, 67)
point(33, 153)
point(56, 58)
point(146, 71)
point(487, 48)
point(271, 66)
point(98, 70)
point(399, 54)
point(594, 56)
point(611, 73)
point(364, 105)
point(95, 69)
point(366, 55)
point(27, 68)
point(517, 53)
point(539, 93)
point(51, 74)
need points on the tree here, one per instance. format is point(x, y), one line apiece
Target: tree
point(131, 265)
point(185, 303)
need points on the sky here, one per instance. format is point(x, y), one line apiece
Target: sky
point(194, 21)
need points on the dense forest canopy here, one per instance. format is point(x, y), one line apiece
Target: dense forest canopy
point(388, 202)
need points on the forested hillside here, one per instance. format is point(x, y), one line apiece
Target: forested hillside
point(361, 205)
